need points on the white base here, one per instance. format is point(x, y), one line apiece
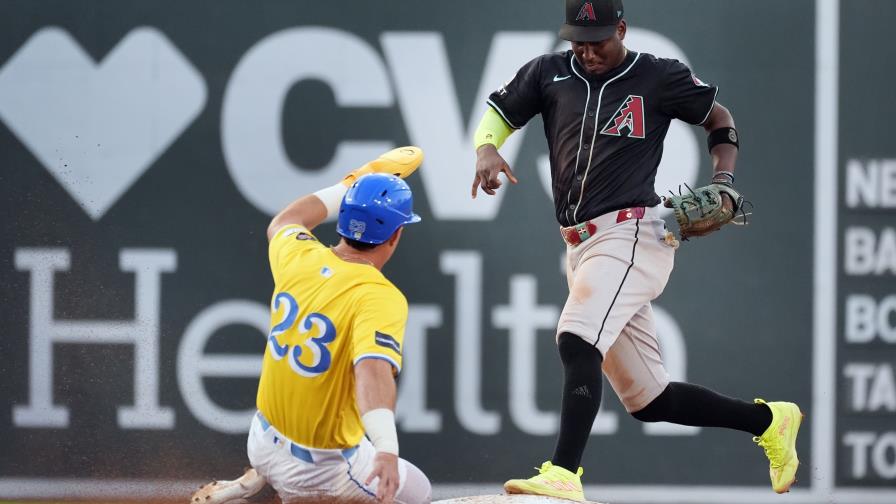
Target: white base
point(507, 499)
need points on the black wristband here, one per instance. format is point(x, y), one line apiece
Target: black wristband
point(722, 136)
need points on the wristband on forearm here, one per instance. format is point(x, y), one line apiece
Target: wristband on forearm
point(331, 197)
point(492, 130)
point(722, 136)
point(379, 424)
point(723, 177)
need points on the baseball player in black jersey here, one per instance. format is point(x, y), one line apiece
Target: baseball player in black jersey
point(606, 111)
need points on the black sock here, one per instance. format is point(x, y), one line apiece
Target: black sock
point(688, 404)
point(582, 386)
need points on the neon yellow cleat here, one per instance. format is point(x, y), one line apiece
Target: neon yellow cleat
point(552, 481)
point(400, 162)
point(779, 442)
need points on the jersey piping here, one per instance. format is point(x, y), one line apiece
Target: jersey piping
point(581, 130)
point(386, 358)
point(498, 110)
point(711, 106)
point(616, 296)
point(593, 136)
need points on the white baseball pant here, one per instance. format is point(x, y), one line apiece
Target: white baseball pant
point(297, 472)
point(613, 276)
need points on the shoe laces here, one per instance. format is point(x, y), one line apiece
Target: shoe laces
point(774, 451)
point(547, 466)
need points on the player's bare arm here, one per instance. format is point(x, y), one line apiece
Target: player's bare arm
point(307, 211)
point(375, 391)
point(724, 155)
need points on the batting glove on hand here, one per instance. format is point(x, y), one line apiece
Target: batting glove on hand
point(400, 162)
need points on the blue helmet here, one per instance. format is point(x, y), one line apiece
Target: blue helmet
point(374, 207)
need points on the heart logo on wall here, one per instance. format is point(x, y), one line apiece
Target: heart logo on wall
point(97, 127)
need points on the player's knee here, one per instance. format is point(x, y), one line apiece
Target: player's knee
point(656, 410)
point(645, 415)
point(416, 488)
point(574, 349)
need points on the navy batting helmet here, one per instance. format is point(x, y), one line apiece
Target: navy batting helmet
point(374, 207)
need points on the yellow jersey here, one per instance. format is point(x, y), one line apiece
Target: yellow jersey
point(326, 315)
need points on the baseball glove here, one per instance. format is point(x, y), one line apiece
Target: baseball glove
point(701, 211)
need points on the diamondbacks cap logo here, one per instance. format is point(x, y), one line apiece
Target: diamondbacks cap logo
point(586, 13)
point(629, 118)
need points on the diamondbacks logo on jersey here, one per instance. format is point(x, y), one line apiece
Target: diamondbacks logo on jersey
point(629, 118)
point(586, 13)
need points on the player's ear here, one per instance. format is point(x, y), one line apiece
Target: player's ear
point(393, 240)
point(620, 29)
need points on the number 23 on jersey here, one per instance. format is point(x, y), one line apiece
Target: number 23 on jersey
point(318, 327)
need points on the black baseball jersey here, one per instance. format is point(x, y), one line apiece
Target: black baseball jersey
point(605, 132)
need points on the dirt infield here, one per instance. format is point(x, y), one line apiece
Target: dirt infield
point(476, 499)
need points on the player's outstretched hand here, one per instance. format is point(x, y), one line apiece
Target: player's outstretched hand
point(385, 467)
point(488, 165)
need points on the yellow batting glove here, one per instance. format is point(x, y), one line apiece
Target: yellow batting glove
point(400, 162)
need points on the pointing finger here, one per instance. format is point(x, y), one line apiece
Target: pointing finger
point(509, 173)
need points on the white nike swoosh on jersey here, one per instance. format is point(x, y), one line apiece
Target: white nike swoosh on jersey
point(557, 78)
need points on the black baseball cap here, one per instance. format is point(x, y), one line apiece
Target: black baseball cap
point(591, 20)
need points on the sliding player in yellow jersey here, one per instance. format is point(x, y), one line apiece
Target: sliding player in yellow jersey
point(334, 349)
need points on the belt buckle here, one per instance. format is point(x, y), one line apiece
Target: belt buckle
point(579, 233)
point(584, 230)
